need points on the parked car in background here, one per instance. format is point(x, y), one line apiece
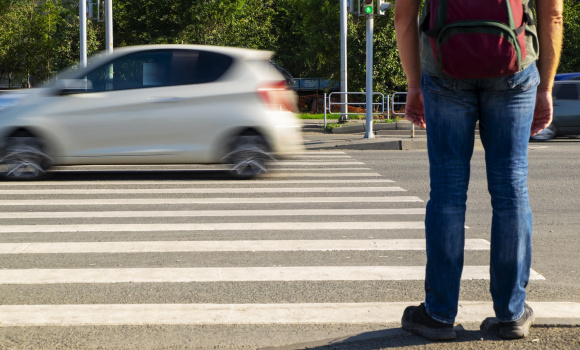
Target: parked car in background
point(567, 76)
point(155, 104)
point(566, 95)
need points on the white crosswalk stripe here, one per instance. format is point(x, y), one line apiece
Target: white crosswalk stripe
point(226, 246)
point(216, 314)
point(301, 196)
point(231, 274)
point(207, 190)
point(197, 200)
point(210, 213)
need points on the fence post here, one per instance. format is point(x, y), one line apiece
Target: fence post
point(325, 111)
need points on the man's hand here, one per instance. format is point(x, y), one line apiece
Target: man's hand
point(414, 110)
point(543, 111)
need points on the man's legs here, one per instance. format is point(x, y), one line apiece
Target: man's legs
point(451, 112)
point(507, 106)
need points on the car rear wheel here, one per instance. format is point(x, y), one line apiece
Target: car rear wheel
point(546, 134)
point(23, 158)
point(249, 156)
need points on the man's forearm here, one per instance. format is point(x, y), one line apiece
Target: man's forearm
point(406, 26)
point(550, 31)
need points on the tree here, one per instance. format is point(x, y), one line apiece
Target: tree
point(36, 39)
point(570, 61)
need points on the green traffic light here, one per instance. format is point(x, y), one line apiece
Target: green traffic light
point(369, 9)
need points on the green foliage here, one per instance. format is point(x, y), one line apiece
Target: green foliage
point(40, 37)
point(570, 61)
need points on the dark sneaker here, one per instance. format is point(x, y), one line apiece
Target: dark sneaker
point(416, 320)
point(511, 330)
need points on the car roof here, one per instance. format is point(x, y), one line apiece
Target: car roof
point(237, 52)
point(567, 76)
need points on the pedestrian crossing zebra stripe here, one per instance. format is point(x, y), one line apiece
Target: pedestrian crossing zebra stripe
point(321, 169)
point(310, 163)
point(224, 314)
point(206, 190)
point(209, 213)
point(276, 175)
point(177, 201)
point(226, 246)
point(232, 274)
point(254, 182)
point(254, 226)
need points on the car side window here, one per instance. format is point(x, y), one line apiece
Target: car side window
point(567, 91)
point(132, 71)
point(198, 67)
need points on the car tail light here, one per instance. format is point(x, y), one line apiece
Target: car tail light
point(277, 96)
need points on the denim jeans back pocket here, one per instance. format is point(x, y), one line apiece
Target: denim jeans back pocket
point(524, 80)
point(436, 85)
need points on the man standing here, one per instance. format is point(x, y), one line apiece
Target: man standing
point(509, 109)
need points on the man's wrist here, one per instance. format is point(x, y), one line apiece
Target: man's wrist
point(542, 89)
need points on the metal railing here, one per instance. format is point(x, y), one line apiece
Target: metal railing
point(328, 104)
point(392, 104)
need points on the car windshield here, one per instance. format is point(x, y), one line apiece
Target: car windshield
point(74, 71)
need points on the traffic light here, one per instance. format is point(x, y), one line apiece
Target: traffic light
point(350, 6)
point(383, 6)
point(368, 7)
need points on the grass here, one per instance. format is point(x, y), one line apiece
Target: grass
point(312, 116)
point(353, 117)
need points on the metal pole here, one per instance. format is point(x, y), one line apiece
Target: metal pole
point(369, 105)
point(324, 111)
point(109, 25)
point(343, 62)
point(83, 32)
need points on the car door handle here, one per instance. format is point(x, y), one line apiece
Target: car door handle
point(165, 99)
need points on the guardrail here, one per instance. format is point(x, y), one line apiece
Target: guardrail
point(392, 104)
point(403, 112)
point(328, 104)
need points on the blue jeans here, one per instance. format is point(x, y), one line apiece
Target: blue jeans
point(504, 108)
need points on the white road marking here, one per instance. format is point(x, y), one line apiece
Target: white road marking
point(206, 190)
point(274, 175)
point(234, 226)
point(159, 201)
point(232, 274)
point(292, 313)
point(322, 156)
point(319, 163)
point(226, 246)
point(209, 213)
point(190, 183)
point(315, 153)
point(322, 169)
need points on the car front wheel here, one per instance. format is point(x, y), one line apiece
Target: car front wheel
point(23, 158)
point(546, 134)
point(249, 156)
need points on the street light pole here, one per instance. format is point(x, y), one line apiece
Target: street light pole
point(343, 62)
point(109, 25)
point(369, 97)
point(83, 32)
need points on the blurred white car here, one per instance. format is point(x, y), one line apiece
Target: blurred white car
point(157, 104)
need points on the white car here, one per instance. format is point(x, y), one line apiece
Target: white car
point(156, 104)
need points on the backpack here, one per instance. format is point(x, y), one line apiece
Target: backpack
point(475, 39)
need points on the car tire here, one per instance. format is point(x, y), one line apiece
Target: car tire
point(546, 134)
point(249, 156)
point(23, 158)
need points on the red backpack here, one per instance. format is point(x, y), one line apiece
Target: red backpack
point(475, 39)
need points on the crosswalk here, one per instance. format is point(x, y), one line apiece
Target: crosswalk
point(303, 226)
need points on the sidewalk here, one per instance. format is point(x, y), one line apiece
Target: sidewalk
point(393, 137)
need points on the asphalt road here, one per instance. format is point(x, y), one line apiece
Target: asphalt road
point(553, 184)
